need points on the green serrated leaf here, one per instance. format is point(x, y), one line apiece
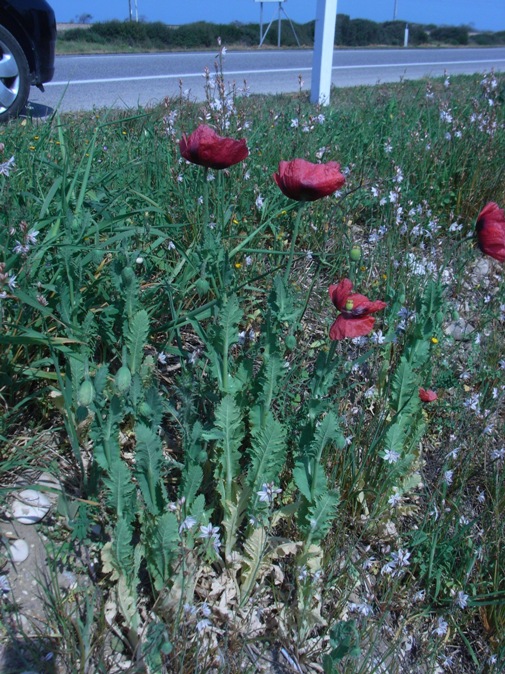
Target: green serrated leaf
point(322, 515)
point(326, 432)
point(405, 384)
point(395, 436)
point(228, 432)
point(229, 317)
point(161, 542)
point(148, 463)
point(121, 490)
point(191, 482)
point(310, 478)
point(267, 453)
point(253, 560)
point(122, 548)
point(136, 338)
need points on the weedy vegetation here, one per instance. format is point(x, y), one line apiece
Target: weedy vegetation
point(239, 492)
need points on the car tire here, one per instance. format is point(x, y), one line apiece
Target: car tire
point(14, 76)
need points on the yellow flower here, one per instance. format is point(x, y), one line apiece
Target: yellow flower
point(434, 340)
point(238, 265)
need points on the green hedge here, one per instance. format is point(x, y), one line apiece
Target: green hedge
point(349, 33)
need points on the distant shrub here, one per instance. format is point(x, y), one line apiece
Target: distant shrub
point(392, 33)
point(361, 32)
point(450, 35)
point(488, 39)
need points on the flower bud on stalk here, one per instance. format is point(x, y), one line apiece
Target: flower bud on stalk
point(355, 253)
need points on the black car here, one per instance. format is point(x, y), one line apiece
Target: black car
point(27, 44)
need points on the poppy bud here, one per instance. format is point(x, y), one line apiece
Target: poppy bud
point(290, 342)
point(202, 286)
point(355, 254)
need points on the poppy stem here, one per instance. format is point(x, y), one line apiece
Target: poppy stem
point(331, 351)
point(293, 241)
point(205, 197)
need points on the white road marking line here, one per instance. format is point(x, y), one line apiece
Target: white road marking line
point(271, 70)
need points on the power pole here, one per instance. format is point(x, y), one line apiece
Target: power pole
point(395, 10)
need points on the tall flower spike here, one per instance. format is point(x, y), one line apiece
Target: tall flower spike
point(303, 181)
point(205, 148)
point(491, 231)
point(354, 319)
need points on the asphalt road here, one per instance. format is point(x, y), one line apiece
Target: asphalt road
point(129, 80)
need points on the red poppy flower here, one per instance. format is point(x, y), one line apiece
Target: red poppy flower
point(354, 319)
point(205, 148)
point(427, 395)
point(491, 231)
point(301, 180)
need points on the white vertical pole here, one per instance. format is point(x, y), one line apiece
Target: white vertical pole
point(324, 40)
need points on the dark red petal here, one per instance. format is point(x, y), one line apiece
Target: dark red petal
point(206, 148)
point(304, 181)
point(491, 231)
point(340, 293)
point(344, 327)
point(427, 395)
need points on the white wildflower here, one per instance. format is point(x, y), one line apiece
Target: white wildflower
point(391, 455)
point(362, 608)
point(448, 477)
point(208, 531)
point(395, 498)
point(203, 625)
point(461, 599)
point(441, 627)
point(498, 454)
point(205, 609)
point(187, 524)
point(6, 167)
point(31, 237)
point(268, 492)
point(377, 337)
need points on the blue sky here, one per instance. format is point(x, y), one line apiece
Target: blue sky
point(482, 14)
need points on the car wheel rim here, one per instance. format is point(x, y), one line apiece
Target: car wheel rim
point(9, 78)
